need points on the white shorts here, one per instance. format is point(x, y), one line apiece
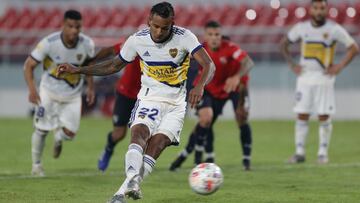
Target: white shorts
point(315, 98)
point(53, 114)
point(160, 117)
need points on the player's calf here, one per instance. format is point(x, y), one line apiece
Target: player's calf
point(140, 134)
point(60, 135)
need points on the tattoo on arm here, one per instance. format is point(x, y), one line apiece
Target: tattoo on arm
point(104, 68)
point(246, 65)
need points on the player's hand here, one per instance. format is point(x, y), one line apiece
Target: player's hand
point(195, 95)
point(66, 68)
point(296, 69)
point(231, 84)
point(90, 96)
point(34, 97)
point(334, 70)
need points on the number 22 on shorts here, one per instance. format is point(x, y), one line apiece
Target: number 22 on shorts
point(151, 113)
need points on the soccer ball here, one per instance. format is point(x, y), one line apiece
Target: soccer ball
point(206, 178)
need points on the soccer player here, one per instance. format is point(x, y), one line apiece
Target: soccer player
point(127, 88)
point(158, 116)
point(58, 100)
point(316, 75)
point(230, 82)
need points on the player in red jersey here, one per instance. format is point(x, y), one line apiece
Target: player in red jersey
point(127, 88)
point(230, 82)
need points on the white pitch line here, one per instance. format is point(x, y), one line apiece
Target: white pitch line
point(8, 176)
point(82, 174)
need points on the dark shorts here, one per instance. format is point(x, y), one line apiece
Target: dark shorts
point(217, 105)
point(234, 98)
point(122, 109)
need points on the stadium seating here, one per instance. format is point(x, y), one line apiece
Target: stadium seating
point(275, 22)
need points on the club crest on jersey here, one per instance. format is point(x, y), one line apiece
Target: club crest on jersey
point(173, 52)
point(79, 57)
point(325, 35)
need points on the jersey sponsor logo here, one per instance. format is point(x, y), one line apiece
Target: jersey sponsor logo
point(173, 52)
point(166, 72)
point(319, 51)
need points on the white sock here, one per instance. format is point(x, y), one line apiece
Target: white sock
point(325, 130)
point(133, 165)
point(149, 164)
point(37, 145)
point(301, 131)
point(133, 160)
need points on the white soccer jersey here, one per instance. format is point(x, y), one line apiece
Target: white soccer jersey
point(51, 51)
point(318, 45)
point(164, 66)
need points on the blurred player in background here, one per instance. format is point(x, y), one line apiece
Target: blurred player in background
point(158, 116)
point(230, 82)
point(59, 98)
point(127, 88)
point(316, 74)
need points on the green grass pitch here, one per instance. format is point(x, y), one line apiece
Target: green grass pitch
point(74, 177)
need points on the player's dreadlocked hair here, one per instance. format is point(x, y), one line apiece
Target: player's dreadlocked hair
point(212, 24)
point(313, 1)
point(163, 9)
point(73, 15)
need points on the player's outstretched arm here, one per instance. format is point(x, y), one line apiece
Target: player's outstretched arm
point(104, 68)
point(208, 65)
point(284, 48)
point(29, 66)
point(351, 52)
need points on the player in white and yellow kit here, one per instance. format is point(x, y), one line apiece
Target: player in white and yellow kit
point(158, 116)
point(59, 99)
point(316, 74)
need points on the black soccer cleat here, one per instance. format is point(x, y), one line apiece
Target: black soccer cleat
point(210, 160)
point(177, 163)
point(246, 164)
point(295, 159)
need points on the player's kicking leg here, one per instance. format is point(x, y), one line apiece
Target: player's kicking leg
point(146, 120)
point(131, 186)
point(121, 116)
